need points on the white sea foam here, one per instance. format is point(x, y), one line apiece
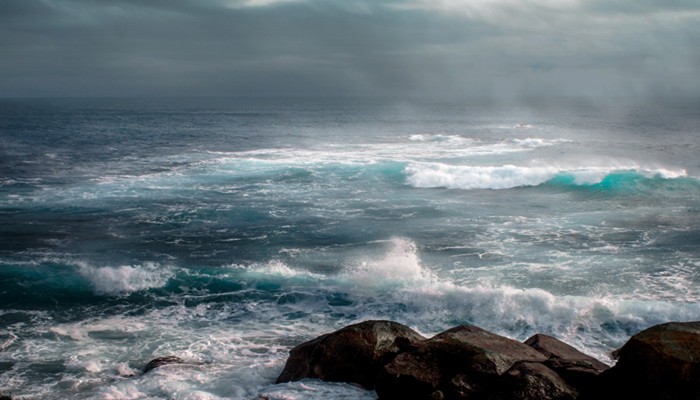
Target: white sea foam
point(537, 142)
point(114, 326)
point(222, 360)
point(396, 284)
point(6, 340)
point(411, 292)
point(399, 265)
point(235, 350)
point(419, 147)
point(316, 390)
point(667, 173)
point(202, 171)
point(451, 139)
point(434, 175)
point(125, 278)
point(276, 269)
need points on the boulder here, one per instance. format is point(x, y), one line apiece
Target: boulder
point(554, 348)
point(354, 354)
point(534, 381)
point(460, 363)
point(662, 362)
point(465, 362)
point(577, 369)
point(418, 374)
point(160, 361)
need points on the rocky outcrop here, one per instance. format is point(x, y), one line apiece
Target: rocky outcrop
point(353, 354)
point(577, 369)
point(459, 363)
point(531, 381)
point(662, 362)
point(160, 361)
point(467, 362)
point(4, 396)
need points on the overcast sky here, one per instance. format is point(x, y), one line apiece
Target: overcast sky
point(464, 48)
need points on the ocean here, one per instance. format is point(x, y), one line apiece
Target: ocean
point(225, 231)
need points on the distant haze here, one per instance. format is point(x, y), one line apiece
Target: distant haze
point(500, 49)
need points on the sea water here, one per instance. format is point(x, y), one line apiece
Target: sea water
point(227, 231)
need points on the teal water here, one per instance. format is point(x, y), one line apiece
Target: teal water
point(226, 231)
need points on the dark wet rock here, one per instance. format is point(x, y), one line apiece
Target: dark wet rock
point(354, 354)
point(461, 363)
point(467, 362)
point(662, 362)
point(160, 361)
point(554, 348)
point(534, 381)
point(417, 375)
point(577, 369)
point(5, 396)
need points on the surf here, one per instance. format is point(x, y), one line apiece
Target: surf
point(440, 175)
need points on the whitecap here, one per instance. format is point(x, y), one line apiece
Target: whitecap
point(434, 175)
point(440, 175)
point(399, 265)
point(275, 269)
point(125, 278)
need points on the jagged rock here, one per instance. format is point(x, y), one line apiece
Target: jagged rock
point(160, 361)
point(353, 354)
point(534, 381)
point(460, 363)
point(661, 363)
point(577, 369)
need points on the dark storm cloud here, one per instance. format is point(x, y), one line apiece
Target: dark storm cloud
point(495, 48)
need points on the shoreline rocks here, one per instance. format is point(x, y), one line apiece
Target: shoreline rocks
point(576, 368)
point(661, 363)
point(467, 362)
point(353, 354)
point(459, 363)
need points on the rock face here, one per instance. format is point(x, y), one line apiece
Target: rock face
point(468, 362)
point(532, 381)
point(662, 362)
point(577, 369)
point(353, 354)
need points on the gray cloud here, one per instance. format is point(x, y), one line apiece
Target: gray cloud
point(503, 49)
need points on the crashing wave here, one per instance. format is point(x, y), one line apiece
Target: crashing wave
point(438, 175)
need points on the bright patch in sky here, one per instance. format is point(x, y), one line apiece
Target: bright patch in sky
point(259, 3)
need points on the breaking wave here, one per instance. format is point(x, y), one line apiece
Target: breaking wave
point(397, 284)
point(438, 175)
point(125, 278)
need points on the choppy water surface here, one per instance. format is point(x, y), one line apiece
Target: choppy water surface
point(227, 231)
